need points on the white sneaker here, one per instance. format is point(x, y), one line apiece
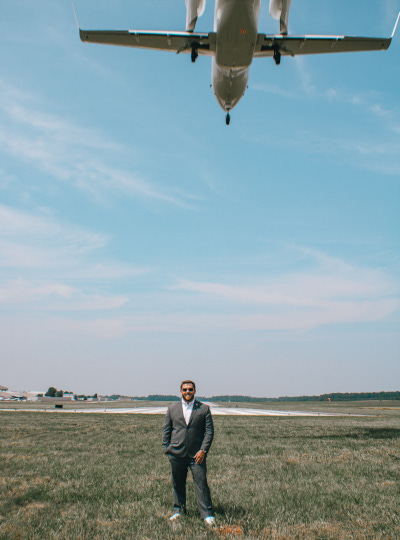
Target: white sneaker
point(210, 521)
point(175, 516)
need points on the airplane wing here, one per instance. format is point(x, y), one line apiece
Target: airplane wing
point(272, 45)
point(295, 45)
point(178, 42)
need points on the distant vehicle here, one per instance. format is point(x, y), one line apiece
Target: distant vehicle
point(234, 42)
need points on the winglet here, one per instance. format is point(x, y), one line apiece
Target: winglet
point(76, 18)
point(395, 26)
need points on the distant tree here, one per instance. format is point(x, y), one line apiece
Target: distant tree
point(158, 397)
point(51, 392)
point(59, 393)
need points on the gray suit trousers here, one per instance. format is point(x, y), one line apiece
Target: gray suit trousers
point(179, 469)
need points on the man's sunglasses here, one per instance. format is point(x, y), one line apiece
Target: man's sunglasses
point(188, 390)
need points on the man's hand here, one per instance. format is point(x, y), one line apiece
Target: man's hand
point(199, 457)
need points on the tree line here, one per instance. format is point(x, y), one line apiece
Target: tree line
point(336, 396)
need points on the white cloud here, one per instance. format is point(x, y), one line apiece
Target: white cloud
point(38, 240)
point(330, 292)
point(55, 296)
point(16, 223)
point(357, 150)
point(73, 153)
point(56, 265)
point(21, 291)
point(37, 248)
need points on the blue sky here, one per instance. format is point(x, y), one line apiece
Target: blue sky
point(142, 241)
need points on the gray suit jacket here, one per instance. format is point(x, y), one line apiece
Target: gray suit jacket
point(181, 440)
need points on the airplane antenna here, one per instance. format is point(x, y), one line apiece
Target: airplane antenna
point(76, 18)
point(395, 26)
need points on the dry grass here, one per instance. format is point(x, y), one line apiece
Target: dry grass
point(104, 477)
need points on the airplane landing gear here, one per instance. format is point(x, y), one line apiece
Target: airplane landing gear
point(194, 54)
point(228, 119)
point(277, 56)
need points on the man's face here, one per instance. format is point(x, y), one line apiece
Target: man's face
point(188, 392)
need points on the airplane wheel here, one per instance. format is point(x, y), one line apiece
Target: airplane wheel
point(228, 119)
point(195, 54)
point(277, 57)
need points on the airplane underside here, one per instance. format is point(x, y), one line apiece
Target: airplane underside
point(229, 87)
point(234, 42)
point(236, 27)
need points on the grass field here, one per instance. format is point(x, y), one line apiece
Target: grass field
point(74, 476)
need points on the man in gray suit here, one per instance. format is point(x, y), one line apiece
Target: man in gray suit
point(186, 438)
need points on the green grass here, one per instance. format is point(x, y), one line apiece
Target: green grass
point(75, 476)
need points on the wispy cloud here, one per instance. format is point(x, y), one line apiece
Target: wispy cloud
point(69, 152)
point(37, 247)
point(56, 265)
point(16, 223)
point(308, 88)
point(55, 296)
point(38, 240)
point(358, 150)
point(331, 291)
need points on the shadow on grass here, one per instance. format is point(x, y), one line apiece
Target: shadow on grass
point(362, 433)
point(32, 495)
point(229, 511)
point(382, 433)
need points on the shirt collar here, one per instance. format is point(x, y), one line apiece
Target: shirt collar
point(190, 404)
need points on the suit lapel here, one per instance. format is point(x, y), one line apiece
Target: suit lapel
point(196, 407)
point(180, 412)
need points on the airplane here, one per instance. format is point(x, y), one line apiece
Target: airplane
point(235, 42)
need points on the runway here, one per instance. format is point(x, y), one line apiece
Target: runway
point(216, 410)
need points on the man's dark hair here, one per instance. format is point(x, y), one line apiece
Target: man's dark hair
point(188, 382)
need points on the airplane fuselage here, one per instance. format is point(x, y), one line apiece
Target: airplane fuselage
point(236, 27)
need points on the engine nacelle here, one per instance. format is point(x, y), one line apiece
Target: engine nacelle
point(194, 9)
point(279, 9)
